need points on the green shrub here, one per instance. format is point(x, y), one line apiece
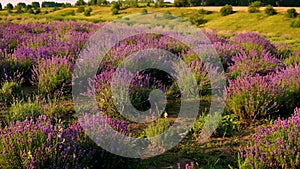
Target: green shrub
point(270, 10)
point(37, 11)
point(296, 23)
point(114, 11)
point(254, 7)
point(227, 126)
point(88, 12)
point(203, 11)
point(197, 19)
point(116, 6)
point(291, 13)
point(9, 90)
point(20, 110)
point(168, 15)
point(226, 10)
point(30, 11)
point(252, 99)
point(156, 128)
point(51, 75)
point(80, 9)
point(144, 11)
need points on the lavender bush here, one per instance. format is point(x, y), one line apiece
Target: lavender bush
point(40, 144)
point(52, 74)
point(289, 81)
point(252, 98)
point(252, 63)
point(253, 41)
point(277, 146)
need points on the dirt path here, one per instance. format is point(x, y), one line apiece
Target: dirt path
point(244, 8)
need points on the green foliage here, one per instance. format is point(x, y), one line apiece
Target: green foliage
point(291, 13)
point(226, 10)
point(159, 3)
point(114, 11)
point(80, 2)
point(295, 23)
point(254, 6)
point(204, 12)
point(116, 6)
point(168, 15)
point(21, 4)
point(9, 90)
point(144, 11)
point(51, 75)
point(156, 128)
point(80, 9)
point(9, 6)
point(88, 12)
point(68, 13)
point(30, 11)
point(37, 11)
point(270, 10)
point(20, 110)
point(35, 5)
point(132, 3)
point(227, 126)
point(197, 19)
point(0, 6)
point(181, 3)
point(19, 9)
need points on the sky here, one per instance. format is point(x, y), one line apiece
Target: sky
point(15, 2)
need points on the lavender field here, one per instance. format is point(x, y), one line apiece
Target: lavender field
point(259, 127)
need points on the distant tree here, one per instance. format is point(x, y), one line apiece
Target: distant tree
point(0, 6)
point(226, 10)
point(88, 12)
point(291, 13)
point(19, 9)
point(116, 6)
point(92, 2)
point(181, 3)
point(144, 11)
point(159, 3)
point(80, 2)
point(30, 10)
point(194, 2)
point(67, 5)
point(80, 9)
point(270, 10)
point(27, 8)
point(132, 3)
point(46, 4)
point(37, 11)
point(35, 5)
point(9, 6)
point(102, 2)
point(21, 4)
point(254, 6)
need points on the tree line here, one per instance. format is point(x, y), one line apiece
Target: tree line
point(134, 3)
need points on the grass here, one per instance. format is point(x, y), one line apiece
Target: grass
point(276, 28)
